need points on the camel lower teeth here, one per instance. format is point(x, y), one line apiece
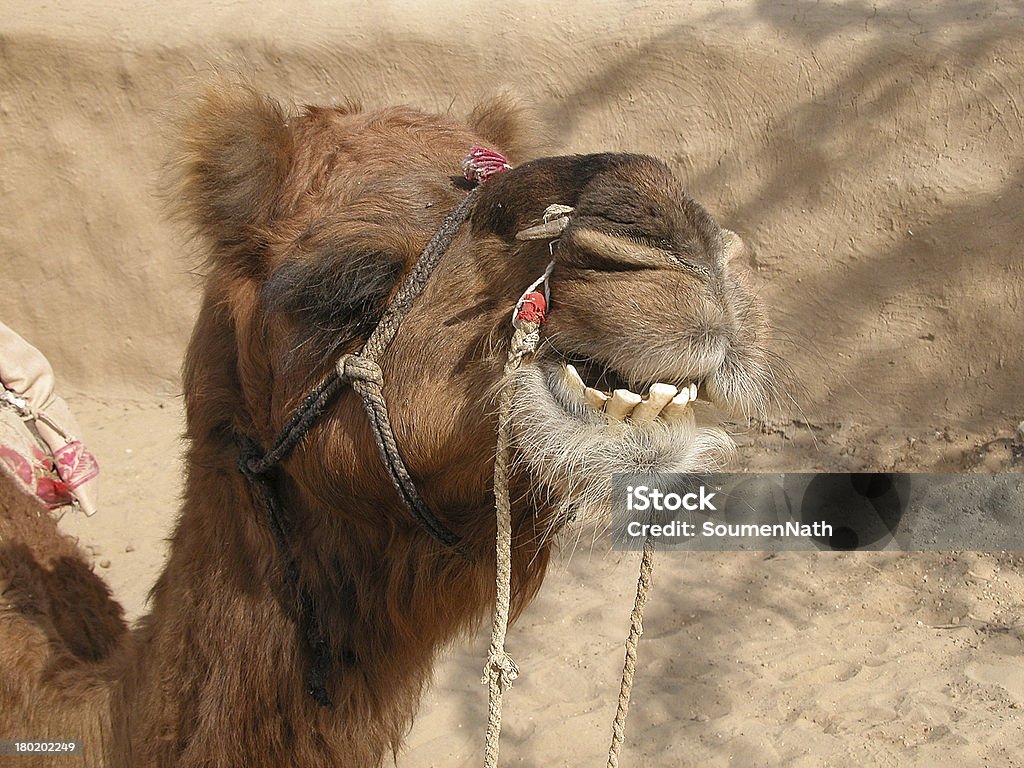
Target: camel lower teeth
point(622, 404)
point(680, 404)
point(658, 397)
point(595, 398)
point(664, 401)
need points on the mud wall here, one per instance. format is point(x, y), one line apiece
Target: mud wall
point(870, 155)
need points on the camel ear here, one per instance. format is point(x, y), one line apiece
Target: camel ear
point(509, 126)
point(236, 150)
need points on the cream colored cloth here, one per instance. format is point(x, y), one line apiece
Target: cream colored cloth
point(29, 390)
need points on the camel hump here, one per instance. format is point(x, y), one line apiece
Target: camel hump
point(57, 611)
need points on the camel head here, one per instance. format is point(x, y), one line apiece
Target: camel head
point(652, 333)
point(312, 219)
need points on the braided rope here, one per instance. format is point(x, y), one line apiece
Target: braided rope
point(636, 629)
point(500, 670)
point(298, 424)
point(305, 614)
point(366, 379)
point(417, 278)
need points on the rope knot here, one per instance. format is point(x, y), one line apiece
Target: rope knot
point(529, 343)
point(249, 457)
point(358, 368)
point(501, 668)
point(525, 339)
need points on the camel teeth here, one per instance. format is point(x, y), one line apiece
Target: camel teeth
point(693, 390)
point(574, 380)
point(622, 403)
point(658, 397)
point(595, 398)
point(678, 407)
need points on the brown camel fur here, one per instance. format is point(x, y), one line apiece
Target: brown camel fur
point(308, 221)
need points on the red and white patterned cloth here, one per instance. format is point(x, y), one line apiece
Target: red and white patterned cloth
point(39, 449)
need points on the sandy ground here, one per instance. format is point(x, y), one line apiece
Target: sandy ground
point(749, 659)
point(869, 154)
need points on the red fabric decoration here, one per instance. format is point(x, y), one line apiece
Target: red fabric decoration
point(53, 492)
point(75, 464)
point(480, 164)
point(532, 308)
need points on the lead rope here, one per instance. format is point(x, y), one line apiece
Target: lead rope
point(501, 671)
point(636, 629)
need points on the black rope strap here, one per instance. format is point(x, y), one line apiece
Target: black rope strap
point(366, 378)
point(307, 616)
point(363, 373)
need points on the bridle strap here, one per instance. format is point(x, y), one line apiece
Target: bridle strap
point(307, 617)
point(363, 373)
point(415, 281)
point(365, 377)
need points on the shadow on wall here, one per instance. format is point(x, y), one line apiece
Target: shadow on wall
point(878, 187)
point(868, 156)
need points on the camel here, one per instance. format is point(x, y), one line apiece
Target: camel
point(308, 220)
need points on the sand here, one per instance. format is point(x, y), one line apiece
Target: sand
point(869, 156)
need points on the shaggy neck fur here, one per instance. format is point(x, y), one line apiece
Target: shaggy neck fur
point(224, 631)
point(229, 655)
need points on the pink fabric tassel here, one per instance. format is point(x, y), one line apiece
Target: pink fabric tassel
point(480, 164)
